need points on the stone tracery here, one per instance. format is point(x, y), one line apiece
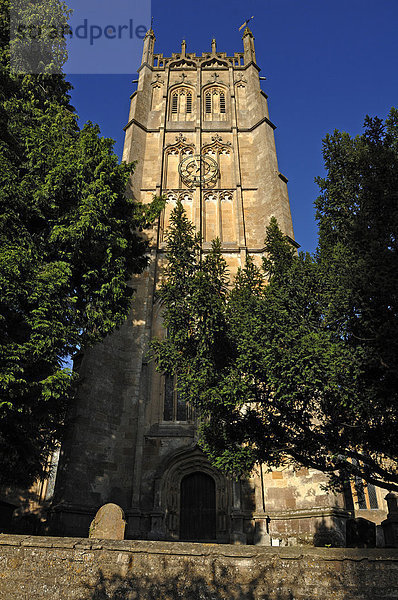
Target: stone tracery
point(182, 103)
point(215, 103)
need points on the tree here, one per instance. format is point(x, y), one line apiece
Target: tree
point(69, 242)
point(301, 366)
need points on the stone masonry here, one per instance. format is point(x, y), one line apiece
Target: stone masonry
point(39, 568)
point(200, 131)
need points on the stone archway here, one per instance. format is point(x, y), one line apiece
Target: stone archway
point(167, 495)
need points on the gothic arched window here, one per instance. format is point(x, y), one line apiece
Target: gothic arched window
point(174, 408)
point(360, 494)
point(215, 105)
point(181, 108)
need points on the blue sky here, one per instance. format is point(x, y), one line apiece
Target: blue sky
point(328, 64)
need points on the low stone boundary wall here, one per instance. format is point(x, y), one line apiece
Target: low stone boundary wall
point(47, 568)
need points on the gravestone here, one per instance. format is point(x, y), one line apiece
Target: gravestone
point(361, 533)
point(390, 525)
point(108, 523)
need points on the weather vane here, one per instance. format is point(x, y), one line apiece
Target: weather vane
point(246, 23)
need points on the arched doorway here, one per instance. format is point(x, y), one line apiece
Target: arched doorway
point(167, 506)
point(198, 507)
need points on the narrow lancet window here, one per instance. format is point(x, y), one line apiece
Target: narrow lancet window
point(215, 104)
point(174, 407)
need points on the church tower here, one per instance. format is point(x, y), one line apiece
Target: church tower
point(200, 132)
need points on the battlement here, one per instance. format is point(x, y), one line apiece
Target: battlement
point(161, 62)
point(190, 60)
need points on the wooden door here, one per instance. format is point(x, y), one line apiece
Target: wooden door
point(198, 507)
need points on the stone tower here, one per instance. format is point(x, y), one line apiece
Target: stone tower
point(200, 131)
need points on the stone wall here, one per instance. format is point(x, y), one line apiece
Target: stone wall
point(45, 568)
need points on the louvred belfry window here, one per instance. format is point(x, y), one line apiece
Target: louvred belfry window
point(181, 105)
point(189, 102)
point(215, 105)
point(222, 102)
point(208, 103)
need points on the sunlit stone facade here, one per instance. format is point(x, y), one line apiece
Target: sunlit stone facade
point(200, 130)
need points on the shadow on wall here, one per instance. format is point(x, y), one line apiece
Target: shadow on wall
point(25, 515)
point(327, 536)
point(354, 533)
point(186, 585)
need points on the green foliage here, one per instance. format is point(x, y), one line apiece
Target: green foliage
point(68, 245)
point(297, 362)
point(37, 41)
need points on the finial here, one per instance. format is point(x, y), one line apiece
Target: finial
point(150, 31)
point(248, 31)
point(213, 46)
point(183, 47)
point(248, 46)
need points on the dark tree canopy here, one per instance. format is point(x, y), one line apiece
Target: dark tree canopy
point(68, 245)
point(297, 361)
